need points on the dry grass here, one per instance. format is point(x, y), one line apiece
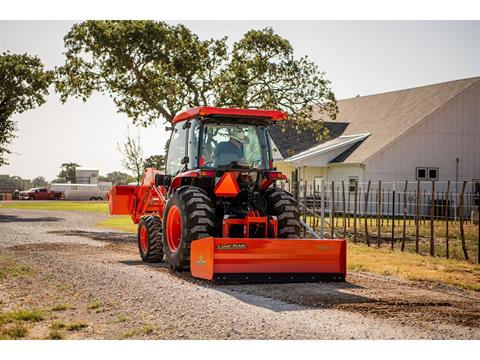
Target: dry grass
point(14, 332)
point(414, 266)
point(10, 267)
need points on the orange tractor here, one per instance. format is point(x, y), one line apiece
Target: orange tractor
point(216, 211)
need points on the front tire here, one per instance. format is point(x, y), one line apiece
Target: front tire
point(149, 238)
point(282, 205)
point(189, 215)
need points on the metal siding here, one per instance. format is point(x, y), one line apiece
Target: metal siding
point(453, 131)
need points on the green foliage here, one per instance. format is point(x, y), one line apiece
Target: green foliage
point(153, 70)
point(116, 178)
point(39, 181)
point(155, 161)
point(67, 172)
point(132, 156)
point(8, 182)
point(23, 86)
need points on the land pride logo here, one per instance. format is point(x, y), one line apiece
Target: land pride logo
point(239, 246)
point(201, 261)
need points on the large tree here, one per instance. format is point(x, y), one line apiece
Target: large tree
point(23, 86)
point(153, 70)
point(67, 172)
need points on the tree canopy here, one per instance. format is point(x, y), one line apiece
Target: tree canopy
point(23, 86)
point(67, 172)
point(117, 178)
point(153, 70)
point(155, 161)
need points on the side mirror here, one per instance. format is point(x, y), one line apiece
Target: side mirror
point(163, 180)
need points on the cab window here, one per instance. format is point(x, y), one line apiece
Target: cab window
point(176, 150)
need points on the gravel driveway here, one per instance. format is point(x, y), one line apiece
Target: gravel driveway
point(99, 275)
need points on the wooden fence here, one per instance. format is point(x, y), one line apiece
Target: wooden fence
point(438, 218)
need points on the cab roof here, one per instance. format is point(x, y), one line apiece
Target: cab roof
point(229, 112)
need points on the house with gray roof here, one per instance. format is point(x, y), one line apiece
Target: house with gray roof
point(424, 133)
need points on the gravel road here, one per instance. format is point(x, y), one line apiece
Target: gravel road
point(99, 275)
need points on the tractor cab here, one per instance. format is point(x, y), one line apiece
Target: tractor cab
point(206, 138)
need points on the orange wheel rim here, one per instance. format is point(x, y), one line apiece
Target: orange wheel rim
point(143, 239)
point(174, 228)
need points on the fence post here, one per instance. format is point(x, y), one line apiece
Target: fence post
point(393, 213)
point(432, 219)
point(332, 211)
point(460, 217)
point(404, 215)
point(314, 207)
point(367, 237)
point(379, 204)
point(304, 207)
point(447, 214)
point(417, 214)
point(355, 213)
point(344, 208)
point(322, 208)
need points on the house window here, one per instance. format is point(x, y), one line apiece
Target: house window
point(424, 173)
point(352, 182)
point(433, 174)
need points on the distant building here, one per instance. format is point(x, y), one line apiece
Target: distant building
point(425, 133)
point(86, 186)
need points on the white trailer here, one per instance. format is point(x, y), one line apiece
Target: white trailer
point(83, 191)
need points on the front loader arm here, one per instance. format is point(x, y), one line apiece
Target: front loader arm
point(138, 200)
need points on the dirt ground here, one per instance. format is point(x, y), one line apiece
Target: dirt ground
point(90, 284)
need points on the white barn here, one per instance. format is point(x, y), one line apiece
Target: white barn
point(425, 133)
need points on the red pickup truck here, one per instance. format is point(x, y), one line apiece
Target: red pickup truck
point(39, 194)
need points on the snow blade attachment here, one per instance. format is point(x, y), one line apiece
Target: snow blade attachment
point(268, 260)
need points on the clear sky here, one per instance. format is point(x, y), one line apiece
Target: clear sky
point(359, 57)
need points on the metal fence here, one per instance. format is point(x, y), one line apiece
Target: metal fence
point(435, 217)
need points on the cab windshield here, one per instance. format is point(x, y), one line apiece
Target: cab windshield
point(226, 145)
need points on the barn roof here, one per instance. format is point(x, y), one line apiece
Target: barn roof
point(387, 116)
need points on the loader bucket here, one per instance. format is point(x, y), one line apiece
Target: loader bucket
point(120, 199)
point(241, 260)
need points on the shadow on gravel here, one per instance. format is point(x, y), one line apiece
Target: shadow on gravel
point(276, 297)
point(107, 236)
point(13, 218)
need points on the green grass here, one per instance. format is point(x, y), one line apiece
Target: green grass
point(34, 315)
point(74, 326)
point(60, 307)
point(122, 223)
point(82, 206)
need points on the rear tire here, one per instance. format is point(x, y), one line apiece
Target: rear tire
point(189, 215)
point(149, 239)
point(282, 205)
